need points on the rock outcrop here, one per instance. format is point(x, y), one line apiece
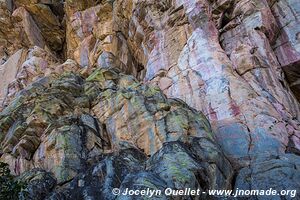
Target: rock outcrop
point(200, 94)
point(66, 124)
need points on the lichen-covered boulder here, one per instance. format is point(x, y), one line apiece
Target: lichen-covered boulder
point(142, 114)
point(94, 133)
point(38, 184)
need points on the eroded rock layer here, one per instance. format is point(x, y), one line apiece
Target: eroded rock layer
point(200, 94)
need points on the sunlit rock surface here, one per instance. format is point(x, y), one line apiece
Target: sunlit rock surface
point(96, 95)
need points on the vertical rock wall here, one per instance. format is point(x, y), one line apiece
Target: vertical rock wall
point(104, 94)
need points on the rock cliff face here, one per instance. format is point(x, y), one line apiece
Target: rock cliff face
point(96, 95)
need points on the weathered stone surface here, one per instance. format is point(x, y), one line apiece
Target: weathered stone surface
point(47, 126)
point(281, 173)
point(228, 70)
point(287, 46)
point(185, 169)
point(25, 67)
point(101, 178)
point(93, 36)
point(35, 121)
point(129, 169)
point(144, 94)
point(38, 184)
point(48, 17)
point(142, 114)
point(18, 30)
point(65, 143)
point(8, 73)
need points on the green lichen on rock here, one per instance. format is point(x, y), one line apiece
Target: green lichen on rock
point(75, 121)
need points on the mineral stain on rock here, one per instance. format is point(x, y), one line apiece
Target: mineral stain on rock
point(198, 94)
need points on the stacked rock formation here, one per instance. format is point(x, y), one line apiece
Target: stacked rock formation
point(200, 94)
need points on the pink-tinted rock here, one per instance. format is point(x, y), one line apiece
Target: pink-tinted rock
point(239, 85)
point(8, 72)
point(287, 46)
point(90, 95)
point(93, 34)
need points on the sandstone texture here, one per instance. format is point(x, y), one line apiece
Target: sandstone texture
point(200, 94)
